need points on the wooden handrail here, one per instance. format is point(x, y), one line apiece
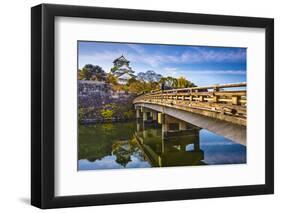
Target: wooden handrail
point(226, 102)
point(214, 87)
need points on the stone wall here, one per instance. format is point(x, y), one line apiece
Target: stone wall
point(94, 97)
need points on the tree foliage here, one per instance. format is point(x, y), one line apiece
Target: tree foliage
point(107, 113)
point(169, 82)
point(180, 82)
point(142, 86)
point(149, 76)
point(111, 79)
point(145, 81)
point(92, 72)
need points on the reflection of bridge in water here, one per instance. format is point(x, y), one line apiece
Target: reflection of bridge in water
point(176, 143)
point(221, 109)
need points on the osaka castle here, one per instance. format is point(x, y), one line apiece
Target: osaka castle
point(121, 70)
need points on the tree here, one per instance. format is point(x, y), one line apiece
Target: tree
point(149, 76)
point(169, 82)
point(85, 74)
point(190, 84)
point(113, 69)
point(107, 113)
point(182, 82)
point(111, 79)
point(136, 87)
point(92, 72)
point(132, 80)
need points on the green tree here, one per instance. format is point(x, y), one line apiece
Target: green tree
point(113, 69)
point(111, 79)
point(107, 113)
point(137, 87)
point(85, 74)
point(182, 82)
point(132, 80)
point(92, 72)
point(169, 81)
point(190, 84)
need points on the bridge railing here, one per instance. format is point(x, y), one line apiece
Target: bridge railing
point(228, 99)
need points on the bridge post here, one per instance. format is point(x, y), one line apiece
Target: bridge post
point(182, 125)
point(138, 126)
point(145, 116)
point(215, 99)
point(164, 125)
point(138, 113)
point(154, 116)
point(197, 142)
point(144, 130)
point(160, 118)
point(235, 100)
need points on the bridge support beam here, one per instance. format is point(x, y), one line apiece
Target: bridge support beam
point(234, 132)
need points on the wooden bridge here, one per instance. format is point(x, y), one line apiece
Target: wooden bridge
point(221, 109)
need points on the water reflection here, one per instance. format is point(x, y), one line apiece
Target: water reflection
point(139, 144)
point(163, 147)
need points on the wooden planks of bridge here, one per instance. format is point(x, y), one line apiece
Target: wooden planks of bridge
point(226, 102)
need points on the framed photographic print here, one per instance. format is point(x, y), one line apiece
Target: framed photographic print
point(140, 106)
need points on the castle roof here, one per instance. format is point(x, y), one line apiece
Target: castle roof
point(125, 76)
point(121, 58)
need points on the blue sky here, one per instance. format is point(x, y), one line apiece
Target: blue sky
point(200, 64)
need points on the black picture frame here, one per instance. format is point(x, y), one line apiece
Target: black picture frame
point(43, 105)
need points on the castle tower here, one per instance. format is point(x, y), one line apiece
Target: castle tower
point(122, 70)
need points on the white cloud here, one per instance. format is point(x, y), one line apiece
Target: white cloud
point(137, 48)
point(174, 72)
point(196, 55)
point(108, 56)
point(139, 55)
point(224, 72)
point(169, 69)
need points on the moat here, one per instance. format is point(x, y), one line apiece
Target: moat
point(136, 144)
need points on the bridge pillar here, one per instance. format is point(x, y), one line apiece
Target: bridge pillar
point(160, 118)
point(154, 115)
point(165, 127)
point(138, 113)
point(197, 142)
point(169, 123)
point(139, 127)
point(145, 115)
point(182, 125)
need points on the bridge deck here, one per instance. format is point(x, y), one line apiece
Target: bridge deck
point(224, 102)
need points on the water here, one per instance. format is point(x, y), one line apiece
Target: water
point(138, 145)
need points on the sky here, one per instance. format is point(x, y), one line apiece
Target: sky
point(203, 65)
